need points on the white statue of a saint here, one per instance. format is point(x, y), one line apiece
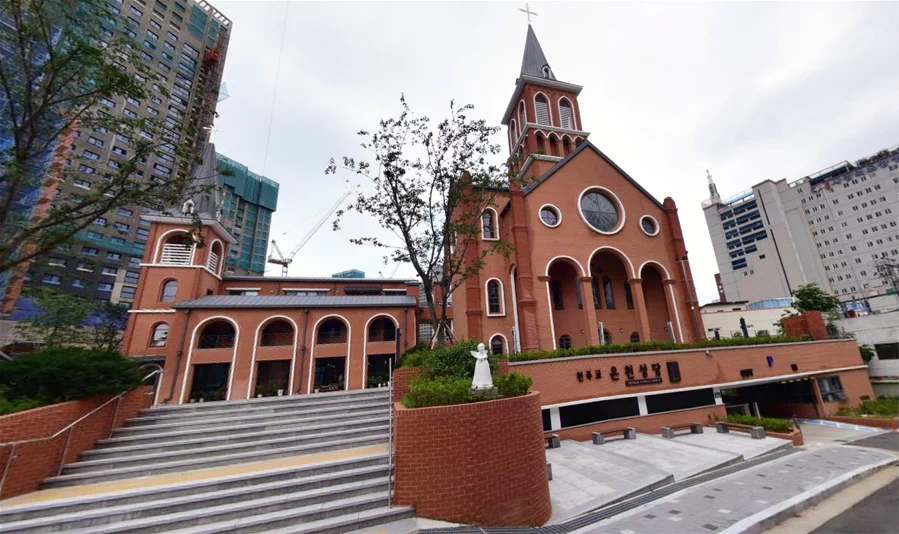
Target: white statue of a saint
point(482, 378)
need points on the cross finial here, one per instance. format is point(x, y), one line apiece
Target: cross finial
point(527, 10)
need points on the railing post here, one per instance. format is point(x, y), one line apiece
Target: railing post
point(65, 450)
point(8, 466)
point(390, 439)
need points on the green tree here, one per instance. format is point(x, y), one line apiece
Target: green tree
point(63, 66)
point(429, 185)
point(107, 326)
point(59, 321)
point(65, 320)
point(810, 297)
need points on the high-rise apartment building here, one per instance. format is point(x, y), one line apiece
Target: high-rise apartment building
point(184, 43)
point(837, 228)
point(247, 203)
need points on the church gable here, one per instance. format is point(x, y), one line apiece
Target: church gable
point(588, 147)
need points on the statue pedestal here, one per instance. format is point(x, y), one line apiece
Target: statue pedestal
point(485, 394)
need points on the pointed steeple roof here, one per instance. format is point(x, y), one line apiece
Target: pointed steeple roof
point(534, 59)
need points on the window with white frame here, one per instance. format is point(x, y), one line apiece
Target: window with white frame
point(541, 108)
point(566, 114)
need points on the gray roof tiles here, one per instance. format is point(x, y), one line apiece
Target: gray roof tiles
point(534, 59)
point(292, 301)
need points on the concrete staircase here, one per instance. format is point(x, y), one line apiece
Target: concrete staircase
point(178, 454)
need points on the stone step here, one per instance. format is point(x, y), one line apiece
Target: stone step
point(74, 477)
point(151, 417)
point(301, 474)
point(266, 512)
point(208, 450)
point(300, 399)
point(230, 424)
point(158, 445)
point(346, 508)
point(336, 525)
point(304, 491)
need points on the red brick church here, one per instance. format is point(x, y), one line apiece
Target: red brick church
point(595, 253)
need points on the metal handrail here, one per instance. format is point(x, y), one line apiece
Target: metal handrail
point(390, 438)
point(68, 428)
point(82, 418)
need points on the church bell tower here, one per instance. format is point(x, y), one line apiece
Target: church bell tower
point(543, 116)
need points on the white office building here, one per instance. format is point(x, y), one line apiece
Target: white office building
point(837, 228)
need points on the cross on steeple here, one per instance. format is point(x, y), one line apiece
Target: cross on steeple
point(527, 10)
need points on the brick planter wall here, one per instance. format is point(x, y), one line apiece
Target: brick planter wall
point(646, 424)
point(879, 422)
point(795, 436)
point(481, 463)
point(401, 378)
point(34, 461)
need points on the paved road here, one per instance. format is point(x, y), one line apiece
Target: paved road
point(719, 504)
point(876, 514)
point(888, 441)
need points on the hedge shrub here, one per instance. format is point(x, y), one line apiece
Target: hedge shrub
point(649, 346)
point(882, 406)
point(439, 391)
point(782, 426)
point(62, 374)
point(447, 373)
point(513, 384)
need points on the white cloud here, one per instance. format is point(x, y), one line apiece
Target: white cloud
point(749, 91)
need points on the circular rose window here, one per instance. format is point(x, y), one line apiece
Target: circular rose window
point(649, 225)
point(600, 211)
point(550, 216)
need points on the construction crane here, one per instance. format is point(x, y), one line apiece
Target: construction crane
point(283, 261)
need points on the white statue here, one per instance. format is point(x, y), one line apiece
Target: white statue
point(482, 378)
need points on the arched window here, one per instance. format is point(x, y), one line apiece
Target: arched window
point(628, 296)
point(494, 298)
point(566, 114)
point(277, 333)
point(607, 291)
point(565, 342)
point(488, 224)
point(497, 346)
point(217, 335)
point(607, 337)
point(175, 250)
point(332, 331)
point(214, 259)
point(635, 337)
point(547, 72)
point(159, 334)
point(169, 289)
point(522, 116)
point(541, 107)
point(513, 133)
point(558, 304)
point(382, 329)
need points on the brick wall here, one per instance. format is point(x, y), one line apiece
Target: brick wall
point(482, 463)
point(34, 461)
point(557, 379)
point(810, 323)
point(401, 378)
point(647, 424)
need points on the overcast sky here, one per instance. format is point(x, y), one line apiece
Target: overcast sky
point(749, 91)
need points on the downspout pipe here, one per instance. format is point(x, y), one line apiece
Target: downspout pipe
point(178, 357)
point(303, 347)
